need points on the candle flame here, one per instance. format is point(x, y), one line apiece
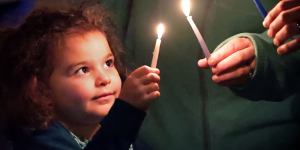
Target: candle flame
point(186, 7)
point(160, 30)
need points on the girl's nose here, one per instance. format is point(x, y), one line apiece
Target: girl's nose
point(102, 78)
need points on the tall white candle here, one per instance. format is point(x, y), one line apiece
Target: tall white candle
point(160, 31)
point(186, 11)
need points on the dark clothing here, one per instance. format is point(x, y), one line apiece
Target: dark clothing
point(13, 12)
point(118, 130)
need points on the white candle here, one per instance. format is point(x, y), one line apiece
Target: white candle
point(186, 11)
point(160, 31)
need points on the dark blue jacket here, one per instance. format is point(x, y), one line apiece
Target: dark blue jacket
point(118, 131)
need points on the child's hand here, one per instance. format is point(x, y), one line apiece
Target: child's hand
point(141, 87)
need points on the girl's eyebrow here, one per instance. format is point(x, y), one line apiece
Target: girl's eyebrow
point(109, 54)
point(70, 67)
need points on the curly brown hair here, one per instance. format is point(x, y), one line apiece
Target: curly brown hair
point(28, 52)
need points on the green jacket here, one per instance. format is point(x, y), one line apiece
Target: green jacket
point(193, 113)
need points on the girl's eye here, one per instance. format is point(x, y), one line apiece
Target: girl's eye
point(110, 62)
point(82, 70)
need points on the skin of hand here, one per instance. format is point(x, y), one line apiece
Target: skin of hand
point(281, 22)
point(141, 87)
point(231, 64)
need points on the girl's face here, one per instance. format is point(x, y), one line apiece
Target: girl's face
point(84, 82)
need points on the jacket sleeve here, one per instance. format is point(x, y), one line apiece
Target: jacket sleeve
point(275, 76)
point(119, 128)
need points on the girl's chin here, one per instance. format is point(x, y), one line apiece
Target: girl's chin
point(102, 111)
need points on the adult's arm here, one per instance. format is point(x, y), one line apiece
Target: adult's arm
point(275, 77)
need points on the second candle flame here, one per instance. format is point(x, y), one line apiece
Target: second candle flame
point(160, 30)
point(186, 7)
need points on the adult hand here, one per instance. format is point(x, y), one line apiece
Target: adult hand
point(141, 87)
point(282, 23)
point(231, 64)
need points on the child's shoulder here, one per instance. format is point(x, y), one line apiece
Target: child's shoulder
point(54, 137)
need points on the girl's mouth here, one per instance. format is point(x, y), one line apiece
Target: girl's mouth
point(104, 98)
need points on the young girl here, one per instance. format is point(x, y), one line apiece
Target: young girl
point(62, 83)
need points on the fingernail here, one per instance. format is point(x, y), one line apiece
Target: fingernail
point(264, 23)
point(215, 78)
point(270, 33)
point(213, 70)
point(276, 42)
point(200, 61)
point(281, 51)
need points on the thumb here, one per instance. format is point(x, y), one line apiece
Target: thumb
point(202, 63)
